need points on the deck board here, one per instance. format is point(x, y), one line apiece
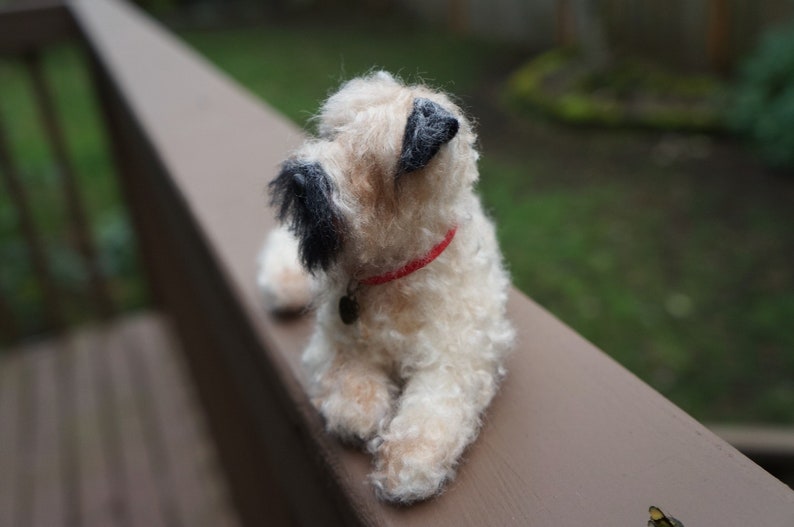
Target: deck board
point(10, 369)
point(46, 484)
point(98, 494)
point(141, 468)
point(197, 503)
point(102, 427)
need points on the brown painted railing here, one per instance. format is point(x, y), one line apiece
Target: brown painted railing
point(572, 439)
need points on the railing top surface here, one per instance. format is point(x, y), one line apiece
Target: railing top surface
point(572, 438)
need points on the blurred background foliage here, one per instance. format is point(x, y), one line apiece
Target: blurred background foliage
point(763, 104)
point(670, 247)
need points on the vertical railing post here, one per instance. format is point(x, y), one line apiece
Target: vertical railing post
point(9, 174)
point(75, 208)
point(128, 169)
point(9, 325)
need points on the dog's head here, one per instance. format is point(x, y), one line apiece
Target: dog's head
point(387, 176)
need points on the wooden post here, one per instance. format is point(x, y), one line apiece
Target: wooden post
point(718, 35)
point(9, 326)
point(458, 16)
point(564, 28)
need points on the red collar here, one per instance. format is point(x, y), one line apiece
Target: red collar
point(413, 265)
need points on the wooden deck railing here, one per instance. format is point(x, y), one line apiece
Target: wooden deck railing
point(572, 439)
point(23, 34)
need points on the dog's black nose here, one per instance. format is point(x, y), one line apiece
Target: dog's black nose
point(299, 181)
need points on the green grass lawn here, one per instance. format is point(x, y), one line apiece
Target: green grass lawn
point(686, 283)
point(295, 67)
point(681, 271)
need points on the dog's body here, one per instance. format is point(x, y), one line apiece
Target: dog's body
point(410, 287)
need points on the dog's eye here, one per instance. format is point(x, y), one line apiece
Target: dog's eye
point(327, 134)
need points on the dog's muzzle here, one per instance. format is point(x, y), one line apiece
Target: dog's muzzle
point(302, 195)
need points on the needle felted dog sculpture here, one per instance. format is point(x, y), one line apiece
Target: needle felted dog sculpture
point(382, 231)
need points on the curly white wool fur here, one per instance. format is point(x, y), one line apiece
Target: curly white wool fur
point(285, 287)
point(414, 373)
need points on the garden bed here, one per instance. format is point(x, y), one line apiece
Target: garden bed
point(623, 93)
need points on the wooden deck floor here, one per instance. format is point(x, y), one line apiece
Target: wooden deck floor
point(102, 429)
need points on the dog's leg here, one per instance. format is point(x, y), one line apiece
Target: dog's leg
point(285, 286)
point(354, 396)
point(438, 416)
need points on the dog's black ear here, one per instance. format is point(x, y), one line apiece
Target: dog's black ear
point(301, 194)
point(429, 127)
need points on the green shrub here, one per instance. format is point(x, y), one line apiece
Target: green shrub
point(763, 108)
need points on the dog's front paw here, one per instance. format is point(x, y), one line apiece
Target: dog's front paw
point(285, 286)
point(358, 407)
point(410, 469)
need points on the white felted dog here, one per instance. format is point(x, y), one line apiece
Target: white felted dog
point(406, 275)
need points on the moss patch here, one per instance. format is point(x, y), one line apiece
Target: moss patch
point(625, 93)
